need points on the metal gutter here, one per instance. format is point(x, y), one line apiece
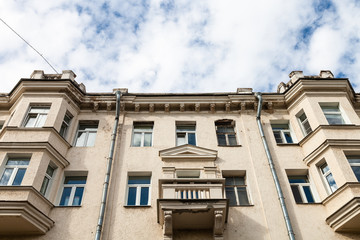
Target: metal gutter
point(273, 171)
point(108, 169)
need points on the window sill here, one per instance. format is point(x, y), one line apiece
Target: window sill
point(68, 206)
point(137, 206)
point(250, 205)
point(229, 145)
point(317, 203)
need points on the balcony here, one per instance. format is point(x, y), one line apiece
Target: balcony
point(23, 211)
point(343, 207)
point(192, 204)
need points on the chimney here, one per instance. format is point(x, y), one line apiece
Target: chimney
point(326, 74)
point(68, 74)
point(37, 74)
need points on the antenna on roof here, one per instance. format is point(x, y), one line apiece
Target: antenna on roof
point(29, 45)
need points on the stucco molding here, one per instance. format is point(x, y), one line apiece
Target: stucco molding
point(188, 152)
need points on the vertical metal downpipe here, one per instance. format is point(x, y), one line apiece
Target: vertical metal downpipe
point(108, 169)
point(273, 171)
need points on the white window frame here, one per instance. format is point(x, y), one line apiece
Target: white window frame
point(228, 124)
point(303, 123)
point(337, 111)
point(37, 123)
point(86, 144)
point(237, 198)
point(186, 132)
point(50, 180)
point(73, 186)
point(136, 129)
point(324, 175)
point(15, 169)
point(283, 131)
point(301, 186)
point(138, 191)
point(65, 125)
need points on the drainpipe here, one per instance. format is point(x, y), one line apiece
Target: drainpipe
point(273, 171)
point(108, 169)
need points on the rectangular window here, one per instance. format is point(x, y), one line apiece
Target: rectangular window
point(235, 189)
point(282, 133)
point(1, 125)
point(185, 134)
point(301, 189)
point(73, 191)
point(328, 177)
point(14, 171)
point(225, 133)
point(332, 113)
point(304, 123)
point(36, 116)
point(354, 162)
point(86, 134)
point(138, 191)
point(47, 180)
point(65, 125)
point(142, 134)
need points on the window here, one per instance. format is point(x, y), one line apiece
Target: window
point(354, 162)
point(14, 171)
point(1, 125)
point(36, 116)
point(86, 134)
point(236, 192)
point(282, 133)
point(301, 189)
point(138, 191)
point(328, 177)
point(65, 125)
point(225, 133)
point(73, 191)
point(185, 134)
point(304, 123)
point(142, 134)
point(47, 180)
point(332, 113)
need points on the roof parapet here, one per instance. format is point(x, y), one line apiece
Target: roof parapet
point(66, 74)
point(244, 90)
point(295, 75)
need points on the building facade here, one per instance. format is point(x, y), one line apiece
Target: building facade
point(239, 165)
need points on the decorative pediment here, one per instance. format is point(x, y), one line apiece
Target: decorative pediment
point(188, 152)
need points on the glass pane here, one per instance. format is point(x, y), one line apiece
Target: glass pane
point(221, 139)
point(91, 139)
point(191, 139)
point(243, 198)
point(298, 179)
point(280, 126)
point(64, 201)
point(296, 193)
point(41, 120)
point(354, 159)
point(230, 194)
point(30, 122)
point(50, 171)
point(80, 140)
point(63, 129)
point(39, 109)
point(334, 119)
point(324, 168)
point(180, 138)
point(19, 176)
point(18, 162)
point(144, 197)
point(229, 181)
point(307, 127)
point(147, 139)
point(136, 139)
point(356, 170)
point(232, 140)
point(44, 185)
point(327, 109)
point(308, 194)
point(239, 181)
point(302, 117)
point(277, 136)
point(132, 196)
point(6, 176)
point(331, 182)
point(75, 180)
point(288, 137)
point(143, 128)
point(88, 127)
point(139, 180)
point(185, 128)
point(67, 119)
point(78, 196)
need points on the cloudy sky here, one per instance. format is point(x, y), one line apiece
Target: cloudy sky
point(180, 46)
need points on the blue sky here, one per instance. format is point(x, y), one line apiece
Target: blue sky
point(180, 46)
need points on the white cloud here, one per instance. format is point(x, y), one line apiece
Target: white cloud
point(180, 46)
